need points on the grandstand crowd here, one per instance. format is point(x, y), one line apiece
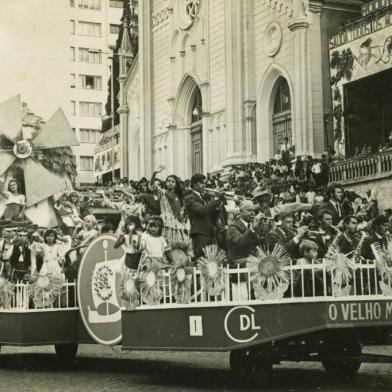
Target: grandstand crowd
point(284, 201)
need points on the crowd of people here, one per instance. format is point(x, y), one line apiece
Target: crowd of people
point(286, 202)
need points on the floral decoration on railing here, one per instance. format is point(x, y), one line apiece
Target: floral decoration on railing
point(211, 267)
point(44, 290)
point(270, 279)
point(129, 290)
point(151, 279)
point(340, 266)
point(6, 293)
point(181, 272)
point(384, 266)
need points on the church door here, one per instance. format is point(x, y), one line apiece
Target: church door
point(197, 149)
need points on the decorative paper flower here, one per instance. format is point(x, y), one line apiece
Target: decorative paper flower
point(384, 262)
point(341, 291)
point(181, 272)
point(129, 291)
point(44, 289)
point(151, 281)
point(270, 280)
point(6, 293)
point(211, 266)
point(340, 266)
point(385, 289)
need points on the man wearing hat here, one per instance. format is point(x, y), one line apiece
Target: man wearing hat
point(20, 256)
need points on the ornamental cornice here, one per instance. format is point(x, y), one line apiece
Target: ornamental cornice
point(284, 7)
point(160, 17)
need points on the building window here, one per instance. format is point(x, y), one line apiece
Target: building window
point(114, 29)
point(90, 4)
point(89, 135)
point(72, 80)
point(72, 53)
point(90, 108)
point(73, 108)
point(87, 55)
point(116, 3)
point(72, 27)
point(86, 163)
point(90, 29)
point(90, 81)
point(72, 3)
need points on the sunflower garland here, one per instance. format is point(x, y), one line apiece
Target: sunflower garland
point(151, 279)
point(270, 280)
point(340, 267)
point(211, 267)
point(6, 293)
point(181, 272)
point(45, 289)
point(129, 290)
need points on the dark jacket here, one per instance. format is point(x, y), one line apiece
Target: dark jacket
point(241, 241)
point(14, 259)
point(286, 240)
point(323, 241)
point(202, 215)
point(336, 217)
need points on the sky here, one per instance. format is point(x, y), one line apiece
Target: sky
point(34, 53)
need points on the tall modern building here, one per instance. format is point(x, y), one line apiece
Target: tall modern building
point(93, 29)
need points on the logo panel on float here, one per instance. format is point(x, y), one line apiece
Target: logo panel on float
point(99, 290)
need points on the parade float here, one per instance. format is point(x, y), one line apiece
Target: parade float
point(37, 156)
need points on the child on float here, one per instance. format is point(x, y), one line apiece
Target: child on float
point(130, 240)
point(52, 255)
point(304, 286)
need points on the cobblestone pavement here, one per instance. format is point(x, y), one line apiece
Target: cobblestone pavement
point(102, 369)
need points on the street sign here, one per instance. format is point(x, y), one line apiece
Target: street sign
point(98, 287)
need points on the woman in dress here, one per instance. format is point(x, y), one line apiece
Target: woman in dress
point(15, 204)
point(172, 210)
point(86, 232)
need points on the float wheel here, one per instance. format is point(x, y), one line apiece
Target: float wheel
point(242, 361)
point(338, 359)
point(66, 352)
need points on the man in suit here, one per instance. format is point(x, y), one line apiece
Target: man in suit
point(336, 193)
point(285, 236)
point(242, 240)
point(326, 233)
point(203, 215)
point(379, 237)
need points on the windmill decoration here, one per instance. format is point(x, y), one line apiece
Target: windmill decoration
point(21, 145)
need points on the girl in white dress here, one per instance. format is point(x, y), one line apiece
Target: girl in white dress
point(52, 255)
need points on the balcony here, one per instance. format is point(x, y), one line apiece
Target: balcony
point(362, 169)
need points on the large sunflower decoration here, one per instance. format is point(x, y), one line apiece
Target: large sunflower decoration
point(340, 266)
point(6, 293)
point(151, 279)
point(270, 279)
point(181, 272)
point(44, 290)
point(129, 290)
point(384, 266)
point(211, 267)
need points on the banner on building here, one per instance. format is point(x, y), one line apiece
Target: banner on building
point(103, 162)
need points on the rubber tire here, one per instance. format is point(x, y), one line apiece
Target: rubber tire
point(262, 371)
point(242, 361)
point(66, 352)
point(336, 366)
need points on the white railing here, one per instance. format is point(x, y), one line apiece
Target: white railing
point(305, 283)
point(21, 299)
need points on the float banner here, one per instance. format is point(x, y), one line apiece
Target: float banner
point(228, 327)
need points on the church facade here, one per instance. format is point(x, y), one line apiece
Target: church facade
point(223, 82)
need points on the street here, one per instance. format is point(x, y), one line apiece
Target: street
point(104, 369)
